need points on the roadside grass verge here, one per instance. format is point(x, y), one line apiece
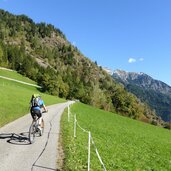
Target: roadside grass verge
point(15, 98)
point(123, 144)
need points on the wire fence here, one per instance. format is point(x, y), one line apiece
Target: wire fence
point(90, 140)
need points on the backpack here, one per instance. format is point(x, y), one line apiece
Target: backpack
point(35, 102)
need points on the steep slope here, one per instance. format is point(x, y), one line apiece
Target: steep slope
point(156, 93)
point(42, 52)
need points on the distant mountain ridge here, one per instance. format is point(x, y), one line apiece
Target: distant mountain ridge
point(154, 92)
point(143, 80)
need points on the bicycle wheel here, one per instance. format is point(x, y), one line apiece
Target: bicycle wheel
point(32, 133)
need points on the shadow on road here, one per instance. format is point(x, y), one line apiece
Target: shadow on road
point(17, 139)
point(46, 168)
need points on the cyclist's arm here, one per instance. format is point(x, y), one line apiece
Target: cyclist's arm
point(43, 106)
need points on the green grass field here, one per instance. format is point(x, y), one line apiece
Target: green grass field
point(15, 97)
point(15, 75)
point(124, 144)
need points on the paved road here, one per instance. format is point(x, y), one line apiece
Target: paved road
point(16, 155)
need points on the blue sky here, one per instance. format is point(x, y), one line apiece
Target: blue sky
point(132, 35)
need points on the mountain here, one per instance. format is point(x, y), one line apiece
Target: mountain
point(154, 92)
point(42, 52)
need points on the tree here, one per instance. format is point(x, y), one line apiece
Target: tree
point(1, 56)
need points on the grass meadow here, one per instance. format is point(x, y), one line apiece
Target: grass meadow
point(15, 75)
point(15, 97)
point(123, 144)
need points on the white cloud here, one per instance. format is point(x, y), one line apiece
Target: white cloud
point(131, 60)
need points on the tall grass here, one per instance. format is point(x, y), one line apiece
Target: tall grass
point(124, 144)
point(15, 98)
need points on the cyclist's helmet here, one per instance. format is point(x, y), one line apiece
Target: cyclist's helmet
point(36, 95)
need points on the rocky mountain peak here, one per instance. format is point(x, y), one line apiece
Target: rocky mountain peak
point(154, 92)
point(142, 80)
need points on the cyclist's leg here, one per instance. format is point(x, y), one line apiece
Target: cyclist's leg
point(42, 123)
point(33, 114)
point(39, 115)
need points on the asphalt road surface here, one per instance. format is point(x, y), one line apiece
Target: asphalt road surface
point(16, 154)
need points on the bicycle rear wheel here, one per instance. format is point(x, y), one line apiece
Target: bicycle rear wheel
point(32, 133)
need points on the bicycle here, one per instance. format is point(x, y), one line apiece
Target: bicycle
point(36, 128)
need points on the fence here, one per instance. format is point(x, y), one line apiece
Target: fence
point(90, 140)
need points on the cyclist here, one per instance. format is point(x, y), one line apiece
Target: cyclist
point(37, 104)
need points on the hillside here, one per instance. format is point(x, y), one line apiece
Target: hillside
point(16, 97)
point(154, 92)
point(42, 52)
point(122, 143)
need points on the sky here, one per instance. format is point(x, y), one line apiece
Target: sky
point(130, 35)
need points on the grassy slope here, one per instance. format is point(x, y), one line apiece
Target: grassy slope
point(15, 75)
point(123, 143)
point(15, 97)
